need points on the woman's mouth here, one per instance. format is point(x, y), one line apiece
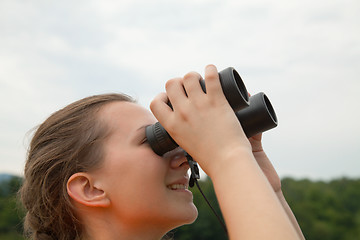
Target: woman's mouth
point(178, 186)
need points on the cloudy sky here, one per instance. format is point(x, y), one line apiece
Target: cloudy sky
point(304, 54)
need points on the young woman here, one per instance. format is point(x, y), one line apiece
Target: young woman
point(90, 174)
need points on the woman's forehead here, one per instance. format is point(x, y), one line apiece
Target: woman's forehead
point(126, 114)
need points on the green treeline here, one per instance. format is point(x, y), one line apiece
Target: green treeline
point(10, 213)
point(325, 210)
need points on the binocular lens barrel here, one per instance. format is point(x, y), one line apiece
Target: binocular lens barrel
point(159, 139)
point(258, 117)
point(233, 87)
point(255, 114)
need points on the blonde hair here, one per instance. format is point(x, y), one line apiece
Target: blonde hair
point(69, 141)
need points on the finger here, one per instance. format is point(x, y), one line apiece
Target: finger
point(175, 92)
point(192, 85)
point(160, 108)
point(212, 81)
point(256, 143)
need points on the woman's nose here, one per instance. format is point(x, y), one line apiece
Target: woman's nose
point(177, 158)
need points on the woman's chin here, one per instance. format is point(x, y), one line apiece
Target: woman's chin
point(193, 216)
point(188, 217)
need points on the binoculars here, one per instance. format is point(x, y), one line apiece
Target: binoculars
point(254, 113)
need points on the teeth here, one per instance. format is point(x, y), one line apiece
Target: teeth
point(177, 186)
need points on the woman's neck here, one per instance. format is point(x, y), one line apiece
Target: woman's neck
point(112, 229)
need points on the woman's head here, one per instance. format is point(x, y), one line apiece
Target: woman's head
point(90, 158)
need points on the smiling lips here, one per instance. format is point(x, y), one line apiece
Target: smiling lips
point(178, 186)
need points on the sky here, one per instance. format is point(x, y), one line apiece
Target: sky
point(304, 54)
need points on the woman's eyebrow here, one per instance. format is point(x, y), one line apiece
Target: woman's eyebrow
point(140, 128)
point(138, 133)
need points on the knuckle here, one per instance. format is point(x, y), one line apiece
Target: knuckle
point(184, 115)
point(214, 102)
point(192, 75)
point(161, 97)
point(153, 104)
point(183, 111)
point(199, 103)
point(213, 76)
point(172, 82)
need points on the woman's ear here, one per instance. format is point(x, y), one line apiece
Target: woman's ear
point(81, 189)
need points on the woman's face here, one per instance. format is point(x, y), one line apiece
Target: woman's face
point(143, 188)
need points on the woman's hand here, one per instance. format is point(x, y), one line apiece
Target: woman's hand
point(265, 163)
point(203, 124)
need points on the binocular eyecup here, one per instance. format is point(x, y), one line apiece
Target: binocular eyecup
point(254, 113)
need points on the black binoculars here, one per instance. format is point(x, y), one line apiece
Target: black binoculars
point(254, 113)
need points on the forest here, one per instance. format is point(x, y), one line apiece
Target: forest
point(325, 210)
